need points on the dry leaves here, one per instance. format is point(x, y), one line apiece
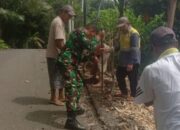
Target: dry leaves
point(137, 116)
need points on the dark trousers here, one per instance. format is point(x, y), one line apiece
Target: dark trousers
point(121, 73)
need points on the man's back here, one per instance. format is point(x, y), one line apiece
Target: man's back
point(165, 83)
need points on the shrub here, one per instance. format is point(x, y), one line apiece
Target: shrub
point(3, 45)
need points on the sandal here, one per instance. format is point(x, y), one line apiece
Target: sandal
point(57, 103)
point(62, 99)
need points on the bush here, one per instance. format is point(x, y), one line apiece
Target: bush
point(106, 20)
point(3, 45)
point(21, 19)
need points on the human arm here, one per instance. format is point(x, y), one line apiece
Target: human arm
point(129, 67)
point(148, 103)
point(145, 90)
point(134, 54)
point(116, 44)
point(59, 35)
point(106, 49)
point(60, 44)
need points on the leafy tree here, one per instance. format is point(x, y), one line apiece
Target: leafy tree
point(38, 15)
point(148, 8)
point(105, 4)
point(57, 4)
point(121, 5)
point(22, 21)
point(9, 24)
point(107, 20)
point(25, 18)
point(171, 13)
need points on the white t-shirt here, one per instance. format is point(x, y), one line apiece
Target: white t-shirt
point(57, 31)
point(160, 83)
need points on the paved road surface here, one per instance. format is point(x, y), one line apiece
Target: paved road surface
point(24, 92)
point(24, 88)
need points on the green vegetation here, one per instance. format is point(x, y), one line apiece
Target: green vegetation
point(22, 19)
point(25, 23)
point(3, 45)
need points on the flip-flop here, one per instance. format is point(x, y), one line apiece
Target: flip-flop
point(62, 100)
point(57, 103)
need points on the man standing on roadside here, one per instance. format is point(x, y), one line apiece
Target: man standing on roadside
point(56, 41)
point(129, 56)
point(160, 82)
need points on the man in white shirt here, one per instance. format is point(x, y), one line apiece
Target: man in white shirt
point(56, 41)
point(160, 82)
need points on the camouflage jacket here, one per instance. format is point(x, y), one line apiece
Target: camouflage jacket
point(75, 47)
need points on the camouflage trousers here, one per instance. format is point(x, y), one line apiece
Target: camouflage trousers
point(72, 80)
point(73, 90)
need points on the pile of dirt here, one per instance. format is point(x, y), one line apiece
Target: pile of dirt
point(118, 113)
point(133, 116)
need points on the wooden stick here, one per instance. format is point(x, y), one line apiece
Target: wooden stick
point(102, 69)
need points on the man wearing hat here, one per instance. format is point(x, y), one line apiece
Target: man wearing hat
point(57, 38)
point(160, 82)
point(129, 56)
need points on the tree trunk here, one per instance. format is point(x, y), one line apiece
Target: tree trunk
point(121, 6)
point(85, 11)
point(0, 31)
point(171, 13)
point(71, 21)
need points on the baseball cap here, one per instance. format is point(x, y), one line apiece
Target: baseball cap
point(122, 21)
point(69, 10)
point(162, 35)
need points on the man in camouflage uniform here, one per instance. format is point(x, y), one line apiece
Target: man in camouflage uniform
point(68, 61)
